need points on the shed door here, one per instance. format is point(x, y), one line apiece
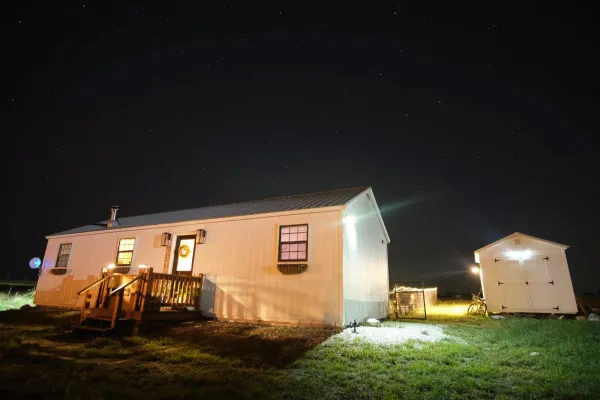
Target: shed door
point(512, 282)
point(542, 293)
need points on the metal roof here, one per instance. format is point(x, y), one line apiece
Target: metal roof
point(279, 204)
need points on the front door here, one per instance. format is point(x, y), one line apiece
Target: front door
point(183, 262)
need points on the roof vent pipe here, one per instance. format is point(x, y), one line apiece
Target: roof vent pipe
point(113, 221)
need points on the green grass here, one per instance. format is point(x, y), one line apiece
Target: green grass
point(12, 301)
point(40, 358)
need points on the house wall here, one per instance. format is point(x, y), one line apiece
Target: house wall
point(365, 266)
point(239, 260)
point(535, 296)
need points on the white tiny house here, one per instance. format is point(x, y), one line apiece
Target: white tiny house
point(312, 259)
point(525, 274)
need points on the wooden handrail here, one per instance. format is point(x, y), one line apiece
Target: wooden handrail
point(91, 286)
point(123, 286)
point(166, 290)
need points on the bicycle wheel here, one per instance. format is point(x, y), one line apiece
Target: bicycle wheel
point(471, 309)
point(483, 309)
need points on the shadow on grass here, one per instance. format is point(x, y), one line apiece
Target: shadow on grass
point(32, 375)
point(41, 316)
point(252, 344)
point(41, 357)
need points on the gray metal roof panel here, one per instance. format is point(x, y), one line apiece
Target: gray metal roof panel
point(278, 204)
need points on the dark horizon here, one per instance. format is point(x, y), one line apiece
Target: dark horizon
point(470, 122)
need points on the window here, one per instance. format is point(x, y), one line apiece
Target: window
point(64, 252)
point(125, 252)
point(293, 243)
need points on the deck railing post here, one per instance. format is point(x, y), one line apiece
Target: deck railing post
point(137, 294)
point(148, 298)
point(198, 294)
point(117, 310)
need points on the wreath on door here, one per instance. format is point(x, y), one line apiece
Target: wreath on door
point(184, 251)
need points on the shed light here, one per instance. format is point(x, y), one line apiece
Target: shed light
point(519, 255)
point(111, 266)
point(475, 269)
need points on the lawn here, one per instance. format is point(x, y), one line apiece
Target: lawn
point(11, 301)
point(479, 358)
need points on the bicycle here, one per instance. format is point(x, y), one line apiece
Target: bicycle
point(478, 306)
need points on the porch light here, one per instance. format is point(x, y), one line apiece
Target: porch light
point(475, 269)
point(200, 236)
point(165, 239)
point(111, 266)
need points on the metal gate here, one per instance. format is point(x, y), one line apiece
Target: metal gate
point(407, 300)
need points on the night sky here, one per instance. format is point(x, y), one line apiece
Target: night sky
point(469, 120)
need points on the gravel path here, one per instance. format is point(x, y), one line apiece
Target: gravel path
point(399, 333)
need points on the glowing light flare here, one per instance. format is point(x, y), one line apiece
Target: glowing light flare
point(475, 269)
point(519, 254)
point(35, 263)
point(350, 222)
point(448, 309)
point(111, 266)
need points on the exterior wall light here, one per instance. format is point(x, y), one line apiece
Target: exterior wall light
point(200, 236)
point(165, 239)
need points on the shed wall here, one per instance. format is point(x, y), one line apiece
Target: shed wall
point(511, 286)
point(366, 279)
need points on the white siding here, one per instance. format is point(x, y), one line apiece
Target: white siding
point(239, 260)
point(366, 279)
point(524, 286)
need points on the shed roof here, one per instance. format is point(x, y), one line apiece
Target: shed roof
point(278, 204)
point(514, 235)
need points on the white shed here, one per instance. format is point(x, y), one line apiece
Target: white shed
point(312, 259)
point(525, 274)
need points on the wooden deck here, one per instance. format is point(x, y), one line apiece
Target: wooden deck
point(119, 300)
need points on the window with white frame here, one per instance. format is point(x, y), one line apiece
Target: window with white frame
point(293, 243)
point(64, 252)
point(125, 251)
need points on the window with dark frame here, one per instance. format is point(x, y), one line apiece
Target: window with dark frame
point(125, 251)
point(293, 243)
point(64, 252)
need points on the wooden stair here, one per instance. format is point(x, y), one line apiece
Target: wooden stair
point(119, 302)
